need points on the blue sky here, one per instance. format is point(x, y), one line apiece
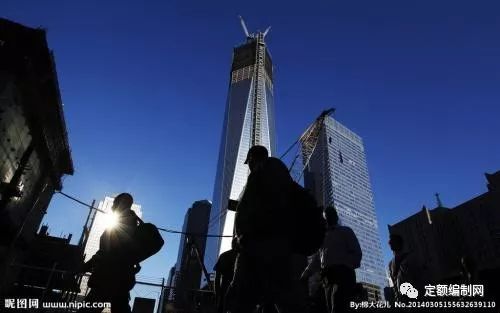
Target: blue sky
point(144, 87)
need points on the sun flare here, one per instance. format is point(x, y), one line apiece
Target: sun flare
point(111, 220)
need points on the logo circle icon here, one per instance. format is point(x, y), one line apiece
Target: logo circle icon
point(404, 287)
point(412, 293)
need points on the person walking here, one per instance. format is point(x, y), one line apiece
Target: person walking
point(113, 267)
point(224, 272)
point(338, 258)
point(403, 268)
point(264, 265)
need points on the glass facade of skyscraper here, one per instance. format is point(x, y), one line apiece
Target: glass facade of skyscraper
point(338, 175)
point(248, 121)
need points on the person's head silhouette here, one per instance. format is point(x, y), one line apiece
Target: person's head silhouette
point(122, 203)
point(396, 242)
point(256, 156)
point(331, 216)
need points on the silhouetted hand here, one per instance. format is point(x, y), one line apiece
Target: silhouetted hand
point(137, 268)
point(240, 242)
point(86, 266)
point(82, 268)
point(304, 278)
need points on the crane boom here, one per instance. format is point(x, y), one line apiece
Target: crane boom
point(309, 138)
point(244, 26)
point(267, 31)
point(307, 143)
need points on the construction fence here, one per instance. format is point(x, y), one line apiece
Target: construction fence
point(30, 287)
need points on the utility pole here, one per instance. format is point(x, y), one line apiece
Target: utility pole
point(86, 228)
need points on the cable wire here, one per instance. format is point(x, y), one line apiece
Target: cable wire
point(159, 228)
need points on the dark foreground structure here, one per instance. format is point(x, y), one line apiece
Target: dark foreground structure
point(34, 149)
point(46, 269)
point(439, 238)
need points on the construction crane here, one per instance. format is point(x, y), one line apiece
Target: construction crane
point(251, 35)
point(244, 26)
point(307, 143)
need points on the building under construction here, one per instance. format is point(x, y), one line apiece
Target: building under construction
point(248, 121)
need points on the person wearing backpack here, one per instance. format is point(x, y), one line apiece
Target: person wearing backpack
point(114, 265)
point(263, 227)
point(339, 256)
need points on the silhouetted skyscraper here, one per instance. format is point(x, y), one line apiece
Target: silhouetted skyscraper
point(338, 175)
point(248, 121)
point(188, 270)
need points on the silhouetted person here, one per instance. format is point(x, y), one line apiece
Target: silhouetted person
point(339, 256)
point(224, 272)
point(263, 272)
point(360, 294)
point(113, 269)
point(403, 268)
point(468, 271)
point(314, 280)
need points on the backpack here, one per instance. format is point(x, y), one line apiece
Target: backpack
point(148, 241)
point(307, 218)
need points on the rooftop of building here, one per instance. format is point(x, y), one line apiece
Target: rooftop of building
point(344, 131)
point(493, 184)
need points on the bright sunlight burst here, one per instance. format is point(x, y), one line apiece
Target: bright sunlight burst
point(111, 220)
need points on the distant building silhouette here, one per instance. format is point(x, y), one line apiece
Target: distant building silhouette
point(143, 305)
point(34, 149)
point(248, 121)
point(169, 294)
point(338, 175)
point(188, 271)
point(439, 237)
